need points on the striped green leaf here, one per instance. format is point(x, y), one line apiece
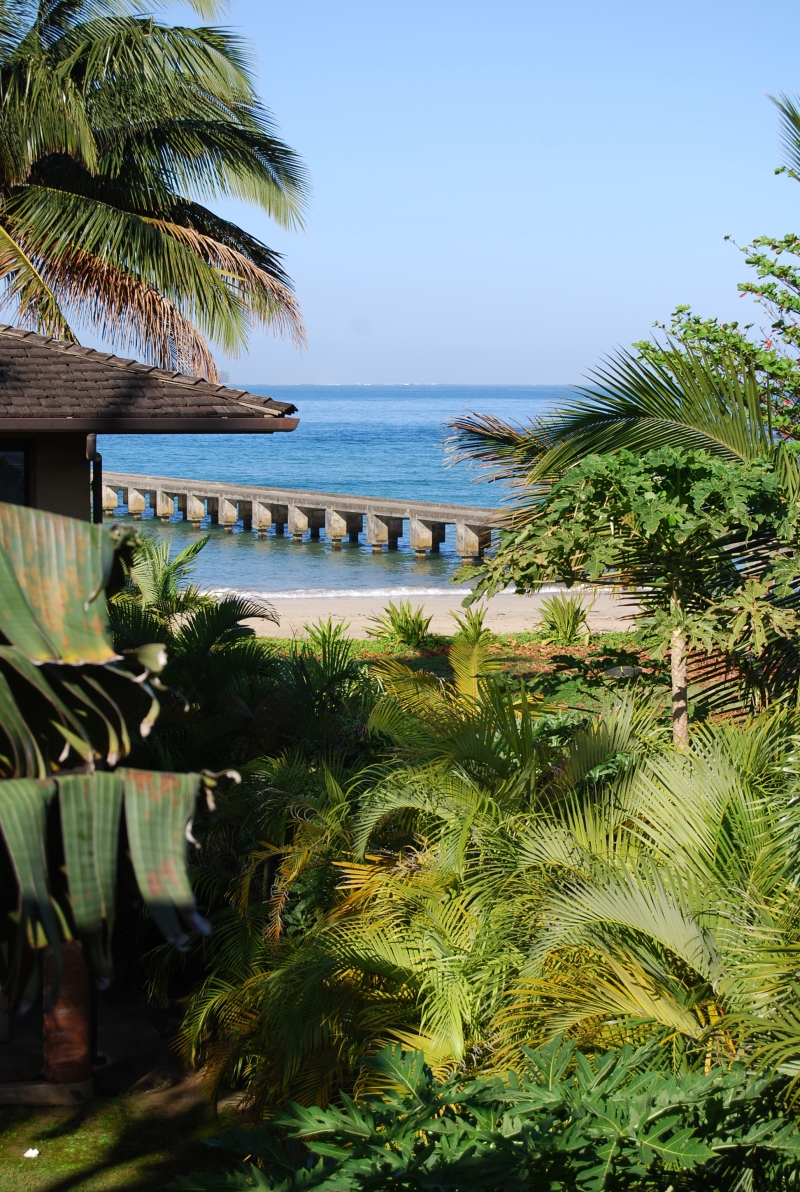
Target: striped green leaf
point(159, 808)
point(42, 707)
point(24, 756)
point(53, 571)
point(91, 805)
point(23, 814)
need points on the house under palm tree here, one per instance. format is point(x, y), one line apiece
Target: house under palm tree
point(55, 396)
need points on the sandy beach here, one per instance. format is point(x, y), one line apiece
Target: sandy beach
point(507, 612)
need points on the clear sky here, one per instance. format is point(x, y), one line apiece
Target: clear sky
point(504, 190)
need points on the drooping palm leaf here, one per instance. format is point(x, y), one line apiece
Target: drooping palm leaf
point(111, 119)
point(696, 403)
point(91, 806)
point(23, 814)
point(159, 808)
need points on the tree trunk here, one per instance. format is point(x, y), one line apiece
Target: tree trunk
point(67, 1022)
point(680, 712)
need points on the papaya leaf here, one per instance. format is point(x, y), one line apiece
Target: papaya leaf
point(404, 1071)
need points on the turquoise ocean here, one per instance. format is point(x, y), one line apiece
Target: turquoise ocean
point(370, 440)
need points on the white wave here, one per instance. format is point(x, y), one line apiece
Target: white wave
point(350, 593)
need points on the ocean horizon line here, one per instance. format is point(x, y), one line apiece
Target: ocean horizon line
point(402, 384)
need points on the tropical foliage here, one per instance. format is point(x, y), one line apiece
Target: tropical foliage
point(687, 399)
point(117, 130)
point(466, 936)
point(68, 702)
point(448, 864)
point(564, 619)
point(705, 549)
point(565, 1122)
point(402, 625)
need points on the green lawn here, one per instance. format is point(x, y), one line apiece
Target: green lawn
point(135, 1141)
point(571, 676)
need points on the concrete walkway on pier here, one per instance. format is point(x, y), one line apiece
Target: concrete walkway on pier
point(508, 613)
point(339, 516)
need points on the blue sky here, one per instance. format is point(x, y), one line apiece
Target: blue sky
point(505, 190)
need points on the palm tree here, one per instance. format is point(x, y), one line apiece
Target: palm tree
point(394, 901)
point(673, 909)
point(690, 401)
point(115, 131)
point(687, 400)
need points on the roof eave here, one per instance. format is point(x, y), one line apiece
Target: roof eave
point(149, 426)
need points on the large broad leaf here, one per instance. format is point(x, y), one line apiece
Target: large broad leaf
point(91, 805)
point(24, 757)
point(159, 808)
point(53, 571)
point(23, 815)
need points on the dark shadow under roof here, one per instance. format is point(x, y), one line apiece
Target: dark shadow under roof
point(50, 385)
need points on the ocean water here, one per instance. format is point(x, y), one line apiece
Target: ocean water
point(371, 440)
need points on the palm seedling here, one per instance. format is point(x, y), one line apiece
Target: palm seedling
point(564, 620)
point(159, 583)
point(400, 625)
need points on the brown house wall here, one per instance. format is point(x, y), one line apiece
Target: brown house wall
point(59, 473)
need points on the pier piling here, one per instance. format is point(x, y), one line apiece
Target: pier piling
point(258, 508)
point(298, 522)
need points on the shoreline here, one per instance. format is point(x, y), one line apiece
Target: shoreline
point(507, 612)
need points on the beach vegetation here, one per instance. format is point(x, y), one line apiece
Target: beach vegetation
point(708, 551)
point(581, 1124)
point(156, 581)
point(484, 913)
point(401, 625)
point(564, 619)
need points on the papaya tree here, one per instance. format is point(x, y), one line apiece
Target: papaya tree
point(705, 547)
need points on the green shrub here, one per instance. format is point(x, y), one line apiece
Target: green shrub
point(401, 625)
point(564, 620)
point(565, 1123)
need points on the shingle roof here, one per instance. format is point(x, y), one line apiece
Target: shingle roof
point(51, 384)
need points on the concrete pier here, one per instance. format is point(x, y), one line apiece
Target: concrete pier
point(304, 514)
